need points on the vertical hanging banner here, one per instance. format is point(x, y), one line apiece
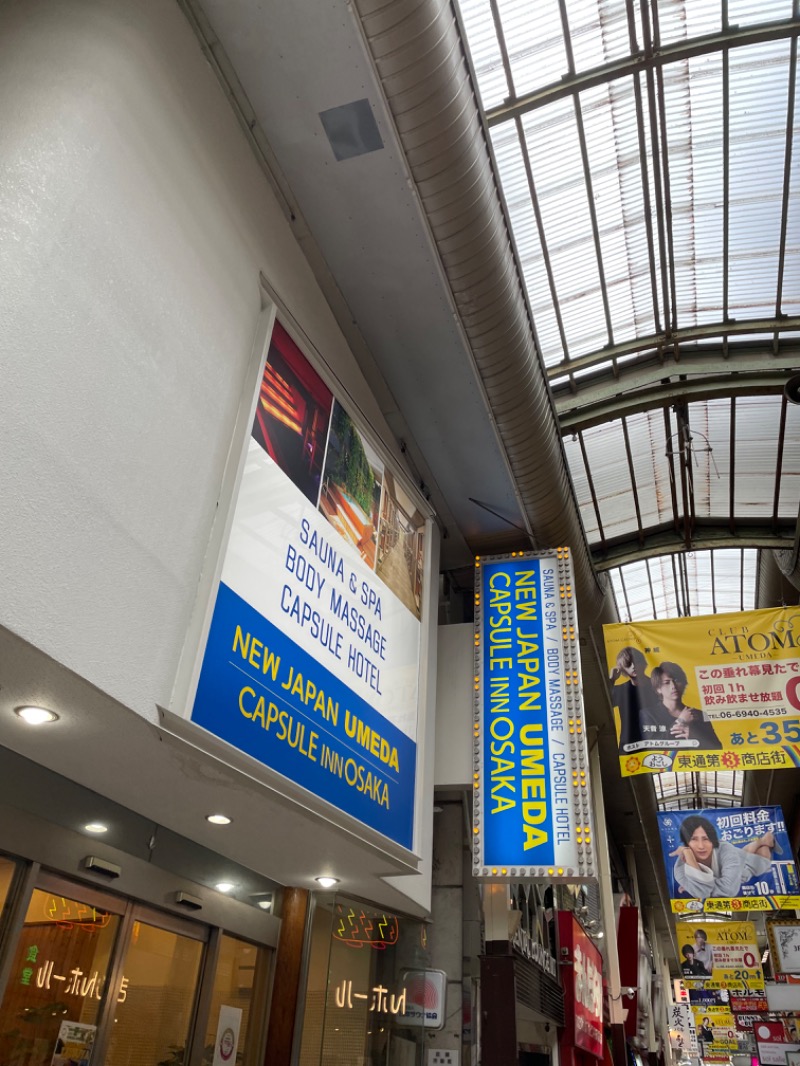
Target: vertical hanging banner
point(682, 1032)
point(720, 692)
point(532, 814)
point(728, 859)
point(311, 664)
point(583, 992)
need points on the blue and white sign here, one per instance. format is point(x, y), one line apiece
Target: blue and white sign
point(728, 859)
point(312, 659)
point(532, 796)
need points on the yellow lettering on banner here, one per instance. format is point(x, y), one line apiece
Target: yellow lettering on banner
point(295, 733)
point(254, 652)
point(366, 782)
point(534, 810)
point(498, 694)
point(368, 738)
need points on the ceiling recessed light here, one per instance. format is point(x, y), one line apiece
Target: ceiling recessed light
point(225, 886)
point(96, 827)
point(327, 882)
point(218, 819)
point(36, 715)
point(265, 904)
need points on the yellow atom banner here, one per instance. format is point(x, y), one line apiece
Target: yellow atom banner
point(719, 692)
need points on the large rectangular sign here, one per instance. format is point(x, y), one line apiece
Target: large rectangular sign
point(711, 693)
point(720, 955)
point(532, 811)
point(312, 658)
point(731, 859)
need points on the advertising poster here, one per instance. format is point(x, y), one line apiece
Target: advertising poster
point(74, 1044)
point(720, 692)
point(312, 657)
point(731, 859)
point(532, 810)
point(720, 955)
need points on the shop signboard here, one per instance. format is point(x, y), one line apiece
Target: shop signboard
point(719, 692)
point(532, 809)
point(748, 1004)
point(682, 1032)
point(784, 945)
point(732, 859)
point(773, 1045)
point(311, 661)
point(583, 994)
point(720, 955)
point(426, 998)
point(748, 1022)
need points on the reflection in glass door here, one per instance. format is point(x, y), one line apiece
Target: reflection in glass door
point(153, 1015)
point(57, 982)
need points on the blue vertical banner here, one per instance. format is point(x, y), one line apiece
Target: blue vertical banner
point(532, 796)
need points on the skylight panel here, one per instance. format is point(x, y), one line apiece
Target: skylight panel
point(710, 425)
point(485, 52)
point(790, 467)
point(609, 116)
point(599, 32)
point(757, 426)
point(535, 42)
point(680, 19)
point(610, 473)
point(755, 12)
point(583, 492)
point(758, 95)
point(516, 189)
point(693, 106)
point(551, 133)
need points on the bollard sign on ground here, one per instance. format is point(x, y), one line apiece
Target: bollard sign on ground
point(532, 799)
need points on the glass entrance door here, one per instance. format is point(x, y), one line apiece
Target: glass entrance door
point(153, 1015)
point(96, 980)
point(58, 981)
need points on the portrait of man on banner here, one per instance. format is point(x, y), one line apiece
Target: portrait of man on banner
point(740, 854)
point(720, 692)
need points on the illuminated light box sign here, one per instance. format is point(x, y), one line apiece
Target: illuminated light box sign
point(721, 692)
point(311, 663)
point(532, 797)
point(728, 859)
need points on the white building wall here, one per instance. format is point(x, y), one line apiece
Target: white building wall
point(455, 702)
point(134, 222)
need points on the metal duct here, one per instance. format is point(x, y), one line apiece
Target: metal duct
point(778, 578)
point(417, 51)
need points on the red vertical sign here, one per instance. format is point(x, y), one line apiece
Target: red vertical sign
point(583, 993)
